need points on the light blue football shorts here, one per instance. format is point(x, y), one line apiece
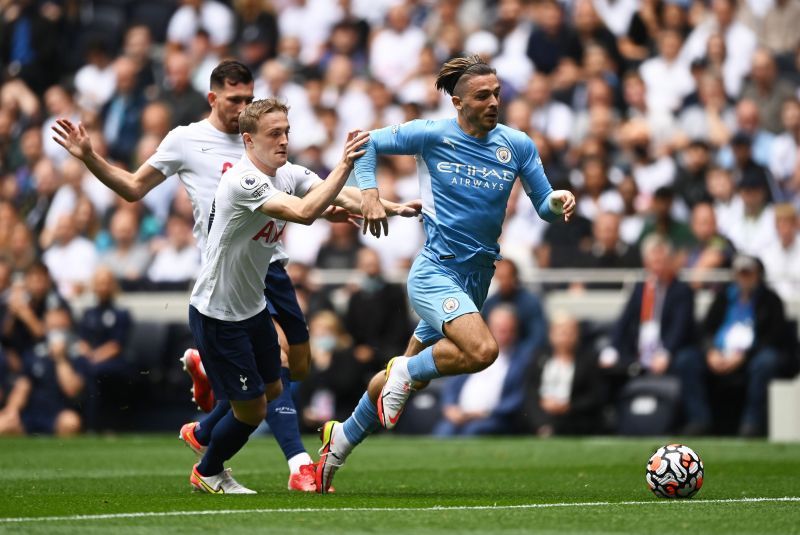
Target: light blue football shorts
point(442, 290)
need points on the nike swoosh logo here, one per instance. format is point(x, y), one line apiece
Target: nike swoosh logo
point(397, 417)
point(205, 149)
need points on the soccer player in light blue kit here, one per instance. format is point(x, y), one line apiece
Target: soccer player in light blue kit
point(467, 166)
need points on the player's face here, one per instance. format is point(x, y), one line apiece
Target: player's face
point(270, 144)
point(479, 105)
point(228, 102)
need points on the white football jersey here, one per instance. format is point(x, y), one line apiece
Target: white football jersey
point(241, 239)
point(200, 154)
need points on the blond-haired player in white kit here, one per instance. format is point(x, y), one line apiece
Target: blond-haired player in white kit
point(199, 154)
point(228, 312)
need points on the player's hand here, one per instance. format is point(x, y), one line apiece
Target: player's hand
point(374, 213)
point(75, 139)
point(563, 201)
point(355, 140)
point(410, 209)
point(337, 214)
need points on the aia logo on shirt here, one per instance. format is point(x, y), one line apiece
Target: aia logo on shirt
point(270, 233)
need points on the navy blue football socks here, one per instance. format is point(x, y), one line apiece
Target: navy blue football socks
point(228, 437)
point(282, 419)
point(202, 431)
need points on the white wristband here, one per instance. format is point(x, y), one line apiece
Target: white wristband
point(555, 203)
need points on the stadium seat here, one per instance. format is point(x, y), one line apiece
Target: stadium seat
point(649, 405)
point(145, 348)
point(791, 347)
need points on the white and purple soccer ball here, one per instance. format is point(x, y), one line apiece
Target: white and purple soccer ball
point(675, 471)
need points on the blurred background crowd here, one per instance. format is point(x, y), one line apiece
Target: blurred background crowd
point(675, 122)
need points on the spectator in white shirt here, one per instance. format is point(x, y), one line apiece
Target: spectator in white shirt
point(177, 260)
point(214, 17)
point(128, 259)
point(740, 41)
point(660, 122)
point(727, 204)
point(616, 14)
point(554, 119)
point(310, 21)
point(96, 81)
point(394, 52)
point(276, 81)
point(666, 76)
point(349, 99)
point(712, 119)
point(64, 201)
point(782, 258)
point(59, 104)
point(754, 228)
point(783, 154)
point(71, 259)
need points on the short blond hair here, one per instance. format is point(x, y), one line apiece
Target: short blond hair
point(248, 119)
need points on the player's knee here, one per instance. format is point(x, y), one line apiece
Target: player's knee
point(482, 355)
point(68, 423)
point(274, 390)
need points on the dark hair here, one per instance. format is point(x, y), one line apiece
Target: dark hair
point(37, 266)
point(230, 71)
point(665, 193)
point(452, 71)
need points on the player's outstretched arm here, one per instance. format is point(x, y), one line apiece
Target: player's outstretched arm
point(130, 186)
point(306, 210)
point(407, 138)
point(371, 207)
point(350, 199)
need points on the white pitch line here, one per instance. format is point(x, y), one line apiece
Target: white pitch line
point(435, 508)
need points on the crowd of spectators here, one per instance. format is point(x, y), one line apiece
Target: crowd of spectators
point(675, 119)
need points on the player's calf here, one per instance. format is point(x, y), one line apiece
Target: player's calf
point(479, 356)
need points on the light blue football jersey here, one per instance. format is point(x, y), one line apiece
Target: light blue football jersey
point(465, 182)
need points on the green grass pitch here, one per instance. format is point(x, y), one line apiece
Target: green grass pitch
point(139, 484)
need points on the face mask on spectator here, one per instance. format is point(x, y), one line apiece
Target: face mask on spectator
point(57, 336)
point(326, 342)
point(372, 284)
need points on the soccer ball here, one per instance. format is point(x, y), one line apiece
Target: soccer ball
point(675, 471)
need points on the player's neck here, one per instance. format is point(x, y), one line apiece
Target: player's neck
point(215, 121)
point(269, 171)
point(470, 129)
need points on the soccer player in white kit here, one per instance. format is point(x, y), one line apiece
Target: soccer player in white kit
point(200, 153)
point(228, 312)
